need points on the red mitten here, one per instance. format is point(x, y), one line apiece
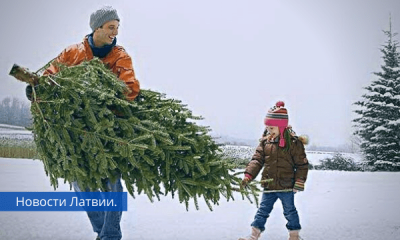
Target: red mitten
point(247, 178)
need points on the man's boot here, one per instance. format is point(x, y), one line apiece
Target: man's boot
point(255, 234)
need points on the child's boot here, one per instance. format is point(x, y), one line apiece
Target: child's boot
point(255, 234)
point(294, 235)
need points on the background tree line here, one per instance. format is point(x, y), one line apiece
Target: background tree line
point(14, 111)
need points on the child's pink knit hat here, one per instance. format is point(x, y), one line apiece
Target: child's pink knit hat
point(278, 116)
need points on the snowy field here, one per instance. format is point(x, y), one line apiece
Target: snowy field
point(335, 206)
point(14, 132)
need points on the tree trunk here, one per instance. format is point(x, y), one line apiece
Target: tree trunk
point(24, 75)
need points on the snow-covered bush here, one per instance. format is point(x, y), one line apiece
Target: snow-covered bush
point(239, 155)
point(338, 162)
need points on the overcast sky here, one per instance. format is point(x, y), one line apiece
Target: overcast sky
point(230, 61)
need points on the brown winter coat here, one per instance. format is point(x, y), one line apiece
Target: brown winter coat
point(285, 168)
point(117, 60)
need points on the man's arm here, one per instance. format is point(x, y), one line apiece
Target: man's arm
point(125, 72)
point(61, 58)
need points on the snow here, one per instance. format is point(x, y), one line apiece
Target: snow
point(380, 128)
point(5, 126)
point(372, 94)
point(387, 163)
point(14, 132)
point(336, 205)
point(394, 122)
point(387, 94)
point(379, 86)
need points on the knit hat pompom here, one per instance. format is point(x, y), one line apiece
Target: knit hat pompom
point(280, 104)
point(101, 16)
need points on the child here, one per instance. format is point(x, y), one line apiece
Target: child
point(282, 155)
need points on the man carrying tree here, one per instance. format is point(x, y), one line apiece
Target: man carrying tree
point(101, 43)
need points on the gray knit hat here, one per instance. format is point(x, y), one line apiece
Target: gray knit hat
point(101, 16)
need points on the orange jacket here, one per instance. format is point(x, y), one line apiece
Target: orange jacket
point(117, 60)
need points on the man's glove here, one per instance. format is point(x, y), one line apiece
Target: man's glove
point(29, 91)
point(247, 178)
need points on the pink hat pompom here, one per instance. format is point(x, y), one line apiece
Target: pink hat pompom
point(280, 104)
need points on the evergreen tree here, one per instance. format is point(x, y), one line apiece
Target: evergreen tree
point(86, 131)
point(379, 122)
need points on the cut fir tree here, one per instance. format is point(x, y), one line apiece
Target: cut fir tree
point(86, 131)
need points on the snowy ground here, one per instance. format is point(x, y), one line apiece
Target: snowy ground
point(14, 132)
point(335, 206)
